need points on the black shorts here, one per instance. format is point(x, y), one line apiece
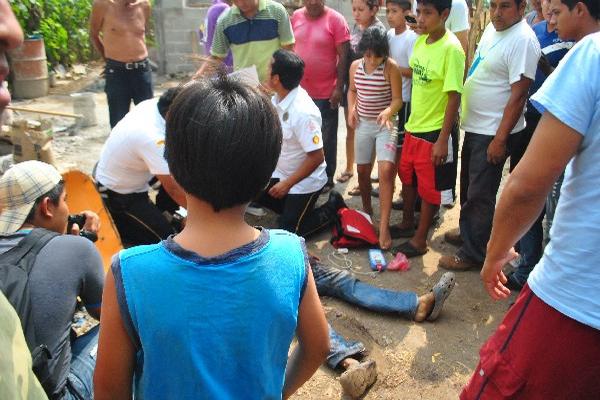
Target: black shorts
point(403, 115)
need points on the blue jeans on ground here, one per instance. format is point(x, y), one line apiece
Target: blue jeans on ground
point(83, 361)
point(124, 85)
point(479, 182)
point(343, 285)
point(329, 126)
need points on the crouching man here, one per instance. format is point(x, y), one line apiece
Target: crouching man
point(33, 223)
point(300, 174)
point(132, 155)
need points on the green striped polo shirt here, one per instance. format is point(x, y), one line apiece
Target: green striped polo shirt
point(253, 41)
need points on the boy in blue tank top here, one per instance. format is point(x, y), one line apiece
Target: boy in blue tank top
point(210, 313)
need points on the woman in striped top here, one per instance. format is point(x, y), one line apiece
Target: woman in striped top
point(374, 98)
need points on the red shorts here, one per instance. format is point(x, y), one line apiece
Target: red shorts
point(416, 166)
point(537, 353)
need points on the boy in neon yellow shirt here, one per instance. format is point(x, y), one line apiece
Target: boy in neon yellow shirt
point(430, 146)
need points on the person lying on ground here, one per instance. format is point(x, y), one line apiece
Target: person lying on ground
point(211, 312)
point(348, 355)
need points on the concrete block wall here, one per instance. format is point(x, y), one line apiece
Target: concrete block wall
point(175, 24)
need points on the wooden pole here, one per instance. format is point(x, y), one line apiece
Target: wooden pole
point(33, 110)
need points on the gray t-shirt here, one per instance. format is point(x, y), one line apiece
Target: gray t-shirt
point(67, 266)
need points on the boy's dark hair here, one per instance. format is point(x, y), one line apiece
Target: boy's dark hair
point(290, 68)
point(223, 140)
point(441, 5)
point(374, 39)
point(593, 6)
point(372, 3)
point(166, 99)
point(54, 195)
point(403, 4)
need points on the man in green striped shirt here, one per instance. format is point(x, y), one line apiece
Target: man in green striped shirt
point(253, 30)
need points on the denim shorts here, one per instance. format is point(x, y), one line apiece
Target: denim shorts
point(369, 137)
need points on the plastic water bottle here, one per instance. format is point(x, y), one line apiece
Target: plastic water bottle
point(377, 260)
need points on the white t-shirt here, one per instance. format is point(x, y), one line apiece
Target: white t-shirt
point(458, 19)
point(134, 151)
point(401, 48)
point(301, 125)
point(500, 60)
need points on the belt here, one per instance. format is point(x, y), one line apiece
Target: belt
point(143, 64)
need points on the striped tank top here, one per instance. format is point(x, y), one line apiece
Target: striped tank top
point(373, 92)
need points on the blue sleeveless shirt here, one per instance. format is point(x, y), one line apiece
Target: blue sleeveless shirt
point(212, 328)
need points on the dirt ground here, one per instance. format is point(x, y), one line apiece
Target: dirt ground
point(415, 361)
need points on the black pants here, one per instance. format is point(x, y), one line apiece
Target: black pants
point(329, 126)
point(297, 212)
point(138, 220)
point(124, 85)
point(479, 183)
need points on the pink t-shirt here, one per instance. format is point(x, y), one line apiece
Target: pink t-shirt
point(315, 44)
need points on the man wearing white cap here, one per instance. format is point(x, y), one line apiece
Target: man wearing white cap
point(33, 209)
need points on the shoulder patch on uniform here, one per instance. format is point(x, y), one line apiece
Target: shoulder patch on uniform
point(316, 139)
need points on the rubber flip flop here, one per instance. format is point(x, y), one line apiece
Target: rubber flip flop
point(397, 232)
point(408, 250)
point(441, 291)
point(355, 191)
point(344, 177)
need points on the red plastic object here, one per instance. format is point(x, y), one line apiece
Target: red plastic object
point(399, 263)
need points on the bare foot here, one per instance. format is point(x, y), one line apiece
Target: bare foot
point(385, 239)
point(425, 306)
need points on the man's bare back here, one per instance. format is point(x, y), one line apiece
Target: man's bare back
point(118, 28)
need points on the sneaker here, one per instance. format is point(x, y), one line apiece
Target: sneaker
point(453, 237)
point(456, 263)
point(256, 210)
point(358, 378)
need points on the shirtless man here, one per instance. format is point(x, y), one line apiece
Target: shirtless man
point(118, 29)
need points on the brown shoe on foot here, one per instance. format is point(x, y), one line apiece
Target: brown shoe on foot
point(453, 237)
point(456, 263)
point(358, 378)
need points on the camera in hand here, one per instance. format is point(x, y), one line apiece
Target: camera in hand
point(79, 219)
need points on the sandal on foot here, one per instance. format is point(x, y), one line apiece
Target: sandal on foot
point(408, 250)
point(344, 177)
point(441, 291)
point(355, 191)
point(358, 378)
point(397, 232)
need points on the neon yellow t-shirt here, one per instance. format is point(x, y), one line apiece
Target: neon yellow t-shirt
point(438, 68)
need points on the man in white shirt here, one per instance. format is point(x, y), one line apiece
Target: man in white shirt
point(492, 117)
point(132, 155)
point(457, 22)
point(299, 176)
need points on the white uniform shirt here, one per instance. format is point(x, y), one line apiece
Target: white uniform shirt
point(301, 125)
point(134, 151)
point(401, 48)
point(500, 60)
